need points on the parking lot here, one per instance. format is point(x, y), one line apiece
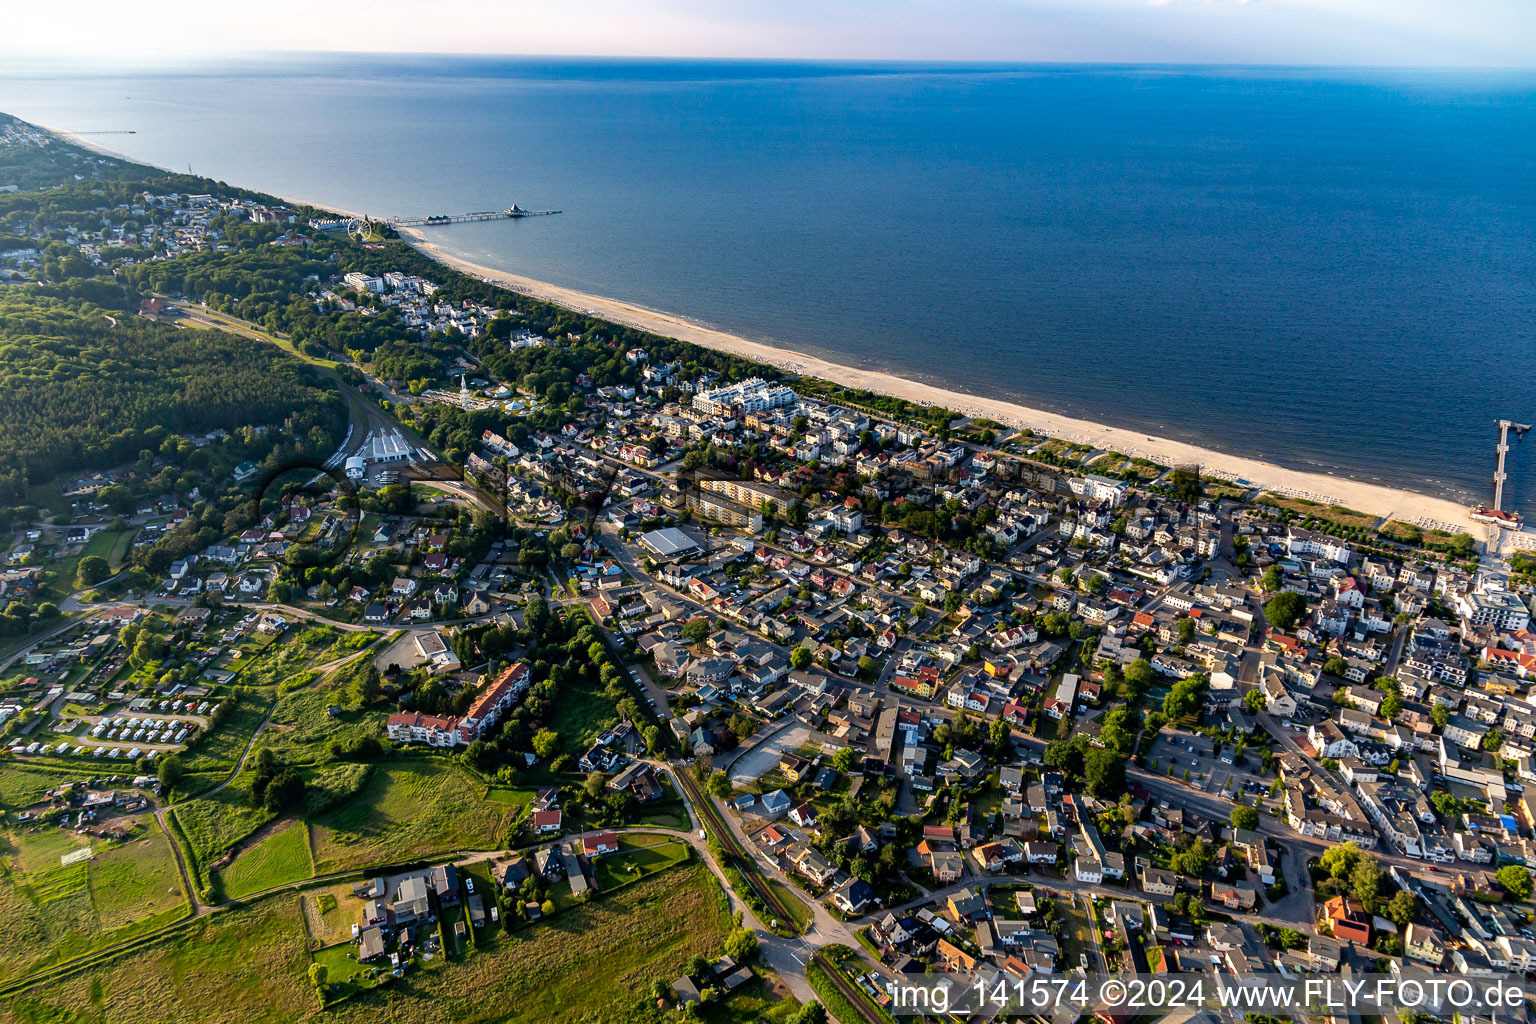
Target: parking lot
point(1187, 752)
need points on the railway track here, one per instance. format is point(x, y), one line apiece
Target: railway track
point(744, 861)
point(857, 997)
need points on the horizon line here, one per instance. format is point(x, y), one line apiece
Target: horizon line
point(174, 58)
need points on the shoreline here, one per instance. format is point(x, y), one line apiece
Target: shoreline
point(74, 139)
point(1376, 499)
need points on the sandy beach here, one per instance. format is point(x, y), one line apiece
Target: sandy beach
point(1376, 499)
point(1387, 502)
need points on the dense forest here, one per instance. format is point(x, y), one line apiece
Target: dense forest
point(87, 387)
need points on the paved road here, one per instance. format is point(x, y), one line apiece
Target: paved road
point(658, 694)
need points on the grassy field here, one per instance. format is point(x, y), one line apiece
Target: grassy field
point(750, 1004)
point(1221, 489)
point(516, 798)
point(408, 809)
point(1076, 932)
point(329, 913)
point(234, 968)
point(1401, 531)
point(277, 859)
point(50, 911)
point(212, 824)
point(667, 814)
point(221, 749)
point(22, 785)
point(302, 727)
point(580, 713)
point(104, 543)
point(838, 1004)
point(592, 963)
point(117, 553)
point(339, 965)
point(640, 856)
point(1066, 451)
point(290, 661)
point(1327, 513)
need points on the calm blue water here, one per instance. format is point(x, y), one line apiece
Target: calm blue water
point(1328, 269)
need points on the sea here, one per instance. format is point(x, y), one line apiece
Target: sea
point(1331, 269)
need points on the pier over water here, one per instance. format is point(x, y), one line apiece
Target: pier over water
point(510, 213)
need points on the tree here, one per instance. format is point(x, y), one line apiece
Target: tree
point(1254, 699)
point(1284, 609)
point(1118, 730)
point(91, 570)
point(1194, 861)
point(1402, 907)
point(1139, 675)
point(1066, 756)
point(1439, 715)
point(1001, 735)
point(545, 743)
point(843, 759)
point(1273, 579)
point(1365, 882)
point(369, 683)
point(1335, 666)
point(742, 945)
point(1245, 817)
point(593, 786)
point(1184, 698)
point(172, 771)
point(547, 907)
point(696, 630)
point(1391, 706)
point(1186, 484)
point(481, 756)
point(800, 658)
point(1339, 861)
point(811, 1013)
point(1515, 880)
point(284, 790)
point(318, 975)
point(719, 784)
point(1104, 772)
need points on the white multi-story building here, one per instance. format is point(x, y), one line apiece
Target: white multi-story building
point(364, 282)
point(1311, 542)
point(1099, 488)
point(1496, 608)
point(748, 396)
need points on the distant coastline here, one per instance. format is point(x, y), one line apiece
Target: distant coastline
point(1376, 499)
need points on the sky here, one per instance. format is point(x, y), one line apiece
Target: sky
point(1477, 33)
